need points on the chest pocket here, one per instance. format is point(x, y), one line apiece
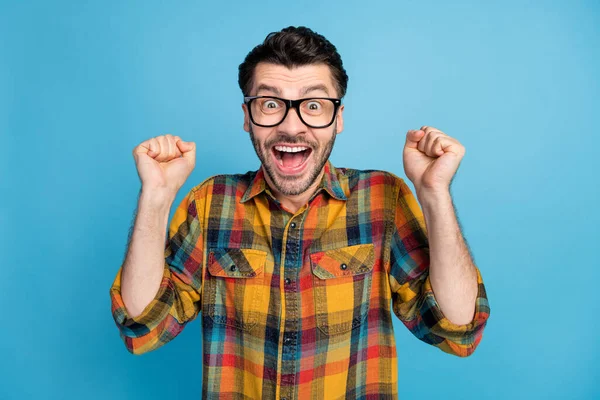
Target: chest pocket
point(234, 286)
point(342, 287)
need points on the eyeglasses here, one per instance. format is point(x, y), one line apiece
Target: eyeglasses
point(269, 111)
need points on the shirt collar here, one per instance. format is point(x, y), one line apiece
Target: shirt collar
point(329, 182)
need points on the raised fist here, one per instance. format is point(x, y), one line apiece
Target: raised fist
point(164, 162)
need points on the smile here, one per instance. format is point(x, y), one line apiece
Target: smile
point(291, 159)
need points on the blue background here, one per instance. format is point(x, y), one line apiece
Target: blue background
point(82, 83)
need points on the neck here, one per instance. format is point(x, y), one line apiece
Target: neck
point(294, 203)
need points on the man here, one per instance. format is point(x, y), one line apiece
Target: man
point(293, 266)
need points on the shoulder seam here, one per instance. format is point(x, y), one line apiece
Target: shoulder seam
point(205, 181)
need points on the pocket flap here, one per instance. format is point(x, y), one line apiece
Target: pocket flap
point(236, 263)
point(344, 261)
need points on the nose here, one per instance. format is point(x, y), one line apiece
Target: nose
point(292, 125)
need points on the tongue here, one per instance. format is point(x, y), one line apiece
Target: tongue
point(292, 160)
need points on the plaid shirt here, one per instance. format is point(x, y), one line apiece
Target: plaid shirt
point(298, 306)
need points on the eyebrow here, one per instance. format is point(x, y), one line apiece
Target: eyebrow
point(303, 91)
point(313, 88)
point(268, 88)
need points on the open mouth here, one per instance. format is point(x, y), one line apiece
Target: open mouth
point(291, 159)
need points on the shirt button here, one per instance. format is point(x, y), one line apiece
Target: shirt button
point(232, 268)
point(287, 340)
point(288, 281)
point(293, 225)
point(343, 266)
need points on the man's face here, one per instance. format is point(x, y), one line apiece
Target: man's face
point(293, 172)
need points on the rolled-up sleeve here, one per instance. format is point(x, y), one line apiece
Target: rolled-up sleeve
point(413, 300)
point(178, 300)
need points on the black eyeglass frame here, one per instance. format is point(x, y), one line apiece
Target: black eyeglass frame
point(294, 104)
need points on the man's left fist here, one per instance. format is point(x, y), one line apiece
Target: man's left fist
point(431, 158)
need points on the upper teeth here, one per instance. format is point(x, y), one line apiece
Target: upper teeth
point(290, 149)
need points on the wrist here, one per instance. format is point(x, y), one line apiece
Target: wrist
point(433, 197)
point(158, 199)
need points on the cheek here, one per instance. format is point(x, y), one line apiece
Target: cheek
point(261, 135)
point(325, 137)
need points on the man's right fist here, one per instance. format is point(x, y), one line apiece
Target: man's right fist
point(164, 162)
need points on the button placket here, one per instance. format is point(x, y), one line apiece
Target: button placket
point(292, 249)
point(288, 339)
point(293, 259)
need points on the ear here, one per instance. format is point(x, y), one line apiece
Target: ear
point(339, 123)
point(246, 118)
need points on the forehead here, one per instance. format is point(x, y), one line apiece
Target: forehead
point(294, 81)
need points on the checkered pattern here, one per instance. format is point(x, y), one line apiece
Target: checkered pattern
point(297, 306)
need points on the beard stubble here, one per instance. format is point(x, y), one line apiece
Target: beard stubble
point(289, 185)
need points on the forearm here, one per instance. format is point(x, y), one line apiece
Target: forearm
point(452, 272)
point(144, 263)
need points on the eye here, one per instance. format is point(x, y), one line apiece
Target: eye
point(313, 106)
point(270, 104)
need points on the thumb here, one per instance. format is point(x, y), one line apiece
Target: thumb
point(188, 149)
point(413, 137)
point(144, 148)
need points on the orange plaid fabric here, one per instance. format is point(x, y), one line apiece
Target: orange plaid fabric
point(297, 306)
